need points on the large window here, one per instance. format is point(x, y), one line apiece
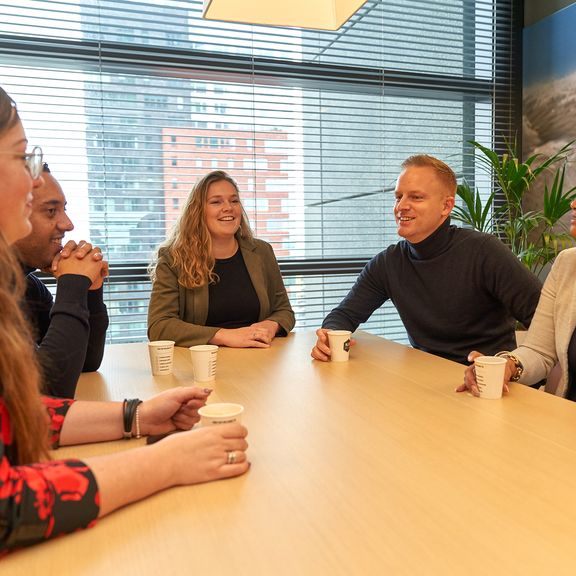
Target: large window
point(132, 100)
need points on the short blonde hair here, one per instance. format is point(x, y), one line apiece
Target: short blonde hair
point(443, 171)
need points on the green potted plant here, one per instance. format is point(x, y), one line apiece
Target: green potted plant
point(535, 236)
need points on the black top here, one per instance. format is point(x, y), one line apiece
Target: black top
point(572, 368)
point(70, 332)
point(456, 291)
point(232, 301)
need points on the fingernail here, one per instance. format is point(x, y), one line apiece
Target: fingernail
point(207, 390)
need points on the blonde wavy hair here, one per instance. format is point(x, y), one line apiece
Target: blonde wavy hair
point(190, 244)
point(19, 372)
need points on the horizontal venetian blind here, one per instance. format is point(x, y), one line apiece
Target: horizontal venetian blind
point(132, 101)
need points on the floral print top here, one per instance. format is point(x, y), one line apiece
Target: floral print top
point(44, 500)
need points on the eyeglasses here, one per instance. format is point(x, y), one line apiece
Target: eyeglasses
point(33, 161)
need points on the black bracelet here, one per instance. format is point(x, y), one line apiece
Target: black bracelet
point(128, 413)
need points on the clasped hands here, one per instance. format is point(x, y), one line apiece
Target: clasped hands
point(257, 335)
point(80, 258)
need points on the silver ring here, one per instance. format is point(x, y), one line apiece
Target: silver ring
point(231, 457)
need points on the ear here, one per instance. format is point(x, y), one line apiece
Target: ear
point(449, 202)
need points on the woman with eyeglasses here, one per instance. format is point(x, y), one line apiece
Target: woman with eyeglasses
point(42, 498)
point(213, 282)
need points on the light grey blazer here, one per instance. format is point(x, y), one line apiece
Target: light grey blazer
point(547, 340)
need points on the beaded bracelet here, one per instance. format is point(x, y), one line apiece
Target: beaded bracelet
point(138, 435)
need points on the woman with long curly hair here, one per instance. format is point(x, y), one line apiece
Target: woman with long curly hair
point(42, 498)
point(213, 282)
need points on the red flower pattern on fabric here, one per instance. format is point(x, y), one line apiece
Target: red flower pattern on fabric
point(57, 408)
point(45, 499)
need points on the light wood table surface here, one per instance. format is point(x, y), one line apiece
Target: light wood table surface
point(371, 467)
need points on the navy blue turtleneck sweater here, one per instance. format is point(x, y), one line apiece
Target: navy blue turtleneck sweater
point(70, 332)
point(456, 291)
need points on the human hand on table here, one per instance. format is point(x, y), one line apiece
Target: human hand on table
point(205, 454)
point(470, 383)
point(247, 337)
point(174, 409)
point(321, 350)
point(265, 331)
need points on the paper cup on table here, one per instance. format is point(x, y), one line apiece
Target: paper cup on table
point(161, 357)
point(221, 413)
point(490, 372)
point(339, 341)
point(204, 362)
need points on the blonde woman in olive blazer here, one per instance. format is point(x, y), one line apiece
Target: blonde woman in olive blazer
point(213, 226)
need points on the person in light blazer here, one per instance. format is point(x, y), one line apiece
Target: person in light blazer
point(213, 282)
point(551, 338)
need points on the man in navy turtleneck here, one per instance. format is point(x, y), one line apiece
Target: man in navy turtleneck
point(455, 289)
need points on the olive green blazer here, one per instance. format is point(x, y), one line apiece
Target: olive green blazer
point(179, 314)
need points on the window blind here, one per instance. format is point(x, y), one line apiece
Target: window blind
point(132, 101)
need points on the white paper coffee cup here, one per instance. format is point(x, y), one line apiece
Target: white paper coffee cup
point(220, 413)
point(161, 356)
point(490, 372)
point(339, 341)
point(204, 358)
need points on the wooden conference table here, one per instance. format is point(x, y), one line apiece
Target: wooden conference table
point(374, 466)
